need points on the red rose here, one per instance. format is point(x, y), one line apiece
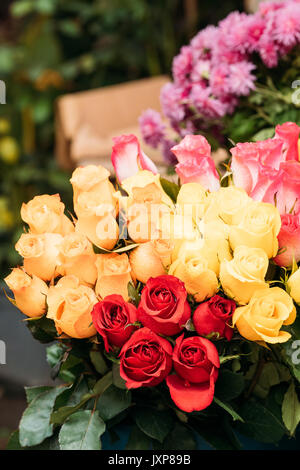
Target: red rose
point(196, 362)
point(146, 359)
point(163, 307)
point(111, 317)
point(214, 316)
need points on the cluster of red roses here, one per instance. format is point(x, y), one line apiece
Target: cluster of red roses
point(147, 357)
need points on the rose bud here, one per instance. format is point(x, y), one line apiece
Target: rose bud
point(146, 359)
point(164, 307)
point(196, 363)
point(112, 317)
point(214, 316)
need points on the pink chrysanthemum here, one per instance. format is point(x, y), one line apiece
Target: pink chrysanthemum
point(203, 42)
point(182, 65)
point(287, 25)
point(171, 98)
point(152, 127)
point(241, 80)
point(201, 71)
point(207, 105)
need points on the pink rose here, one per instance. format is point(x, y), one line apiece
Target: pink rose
point(289, 134)
point(252, 159)
point(128, 158)
point(195, 163)
point(284, 189)
point(289, 240)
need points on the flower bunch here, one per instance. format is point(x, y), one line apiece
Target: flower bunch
point(166, 281)
point(220, 66)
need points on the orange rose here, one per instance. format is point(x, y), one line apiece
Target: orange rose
point(113, 275)
point(96, 221)
point(145, 263)
point(41, 254)
point(78, 258)
point(70, 305)
point(94, 180)
point(29, 292)
point(46, 214)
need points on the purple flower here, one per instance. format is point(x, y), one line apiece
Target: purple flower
point(152, 127)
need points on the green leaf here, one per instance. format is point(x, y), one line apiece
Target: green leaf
point(224, 359)
point(133, 293)
point(272, 374)
point(138, 440)
point(33, 392)
point(264, 134)
point(229, 385)
point(14, 441)
point(260, 423)
point(112, 402)
point(98, 361)
point(103, 384)
point(54, 354)
point(42, 329)
point(218, 435)
point(35, 423)
point(117, 379)
point(155, 423)
point(170, 188)
point(180, 438)
point(59, 416)
point(82, 431)
point(291, 409)
point(229, 409)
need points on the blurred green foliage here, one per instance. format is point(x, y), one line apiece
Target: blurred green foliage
point(52, 47)
point(275, 100)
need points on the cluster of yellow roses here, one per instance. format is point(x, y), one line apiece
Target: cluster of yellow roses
point(208, 240)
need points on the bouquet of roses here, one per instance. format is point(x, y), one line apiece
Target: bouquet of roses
point(238, 79)
point(172, 307)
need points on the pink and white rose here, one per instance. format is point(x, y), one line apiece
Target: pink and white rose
point(195, 164)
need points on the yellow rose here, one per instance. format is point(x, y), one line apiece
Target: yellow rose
point(178, 227)
point(41, 254)
point(78, 258)
point(45, 214)
point(70, 305)
point(199, 280)
point(96, 221)
point(29, 292)
point(114, 273)
point(244, 274)
point(212, 246)
point(227, 204)
point(145, 262)
point(263, 317)
point(193, 200)
point(258, 228)
point(293, 285)
point(94, 180)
